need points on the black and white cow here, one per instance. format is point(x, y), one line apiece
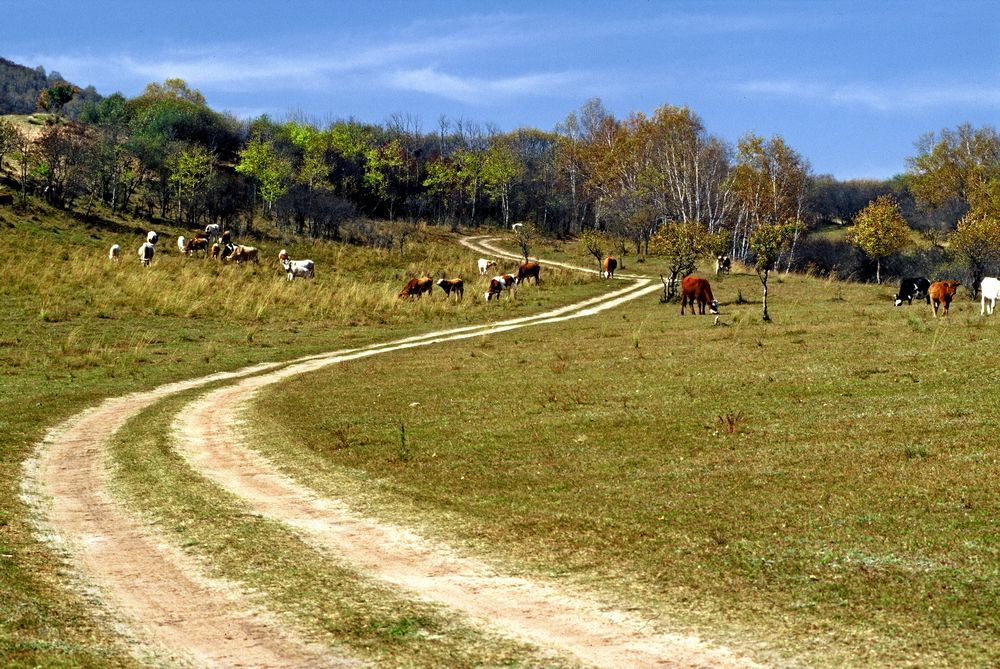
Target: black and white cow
point(914, 287)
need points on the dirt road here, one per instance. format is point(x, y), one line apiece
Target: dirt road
point(172, 609)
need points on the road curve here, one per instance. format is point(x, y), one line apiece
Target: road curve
point(165, 601)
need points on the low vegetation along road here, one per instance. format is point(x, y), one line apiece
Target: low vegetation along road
point(170, 607)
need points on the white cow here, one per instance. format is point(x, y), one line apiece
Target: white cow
point(180, 243)
point(115, 253)
point(304, 268)
point(213, 230)
point(989, 289)
point(484, 266)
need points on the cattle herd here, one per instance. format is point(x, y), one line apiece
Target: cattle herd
point(216, 243)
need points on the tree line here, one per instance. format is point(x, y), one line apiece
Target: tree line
point(657, 182)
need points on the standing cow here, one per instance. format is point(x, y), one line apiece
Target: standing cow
point(417, 287)
point(695, 288)
point(941, 294)
point(913, 287)
point(608, 268)
point(498, 284)
point(989, 290)
point(527, 271)
point(450, 286)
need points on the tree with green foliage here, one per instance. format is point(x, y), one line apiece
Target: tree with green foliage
point(768, 242)
point(385, 167)
point(501, 167)
point(976, 240)
point(54, 98)
point(191, 172)
point(961, 164)
point(271, 172)
point(880, 230)
point(682, 244)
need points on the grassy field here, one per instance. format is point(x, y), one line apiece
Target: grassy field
point(816, 491)
point(76, 329)
point(821, 489)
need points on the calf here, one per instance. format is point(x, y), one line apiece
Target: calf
point(213, 230)
point(608, 268)
point(498, 284)
point(913, 287)
point(941, 294)
point(528, 270)
point(484, 266)
point(181, 242)
point(989, 290)
point(723, 264)
point(417, 287)
point(304, 268)
point(450, 286)
point(695, 288)
point(215, 251)
point(114, 253)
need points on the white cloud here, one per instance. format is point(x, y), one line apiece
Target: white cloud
point(879, 98)
point(475, 90)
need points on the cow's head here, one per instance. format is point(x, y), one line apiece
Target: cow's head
point(714, 307)
point(898, 300)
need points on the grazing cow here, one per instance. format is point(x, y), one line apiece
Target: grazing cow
point(989, 290)
point(115, 253)
point(417, 287)
point(498, 284)
point(484, 266)
point(242, 254)
point(722, 265)
point(528, 270)
point(196, 244)
point(304, 268)
point(914, 287)
point(695, 288)
point(227, 238)
point(450, 286)
point(146, 252)
point(214, 251)
point(152, 237)
point(941, 294)
point(180, 243)
point(608, 268)
point(213, 230)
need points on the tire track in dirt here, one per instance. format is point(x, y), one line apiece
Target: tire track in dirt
point(523, 608)
point(162, 597)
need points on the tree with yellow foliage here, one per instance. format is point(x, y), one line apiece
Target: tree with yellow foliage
point(880, 230)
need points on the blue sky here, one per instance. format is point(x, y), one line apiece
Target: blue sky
point(850, 85)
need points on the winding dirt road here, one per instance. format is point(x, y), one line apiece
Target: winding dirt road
point(171, 608)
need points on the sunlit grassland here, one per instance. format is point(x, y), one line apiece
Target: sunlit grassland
point(824, 486)
point(76, 328)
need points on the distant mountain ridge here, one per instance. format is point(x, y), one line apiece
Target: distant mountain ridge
point(20, 87)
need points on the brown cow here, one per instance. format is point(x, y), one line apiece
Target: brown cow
point(196, 244)
point(695, 288)
point(214, 251)
point(498, 284)
point(941, 294)
point(608, 268)
point(450, 286)
point(417, 287)
point(528, 270)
